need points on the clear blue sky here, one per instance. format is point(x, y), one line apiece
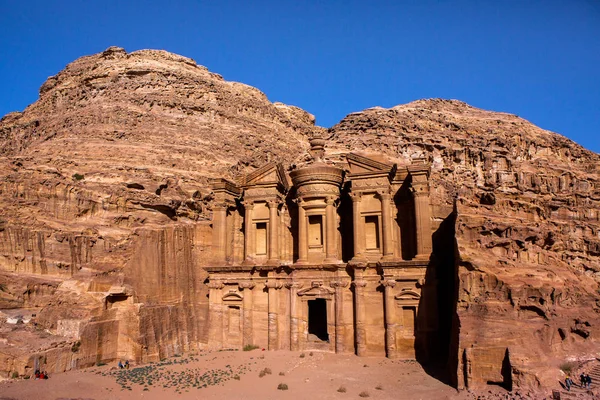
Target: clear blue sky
point(537, 59)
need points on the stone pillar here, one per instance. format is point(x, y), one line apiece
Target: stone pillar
point(340, 326)
point(420, 192)
point(294, 286)
point(359, 305)
point(357, 229)
point(215, 314)
point(386, 224)
point(247, 334)
point(302, 235)
point(331, 226)
point(249, 241)
point(390, 318)
point(273, 324)
point(219, 237)
point(273, 233)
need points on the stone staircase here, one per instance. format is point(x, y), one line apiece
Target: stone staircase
point(577, 392)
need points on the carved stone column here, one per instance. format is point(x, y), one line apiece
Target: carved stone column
point(420, 192)
point(359, 305)
point(273, 233)
point(294, 286)
point(219, 237)
point(273, 324)
point(390, 318)
point(340, 327)
point(302, 235)
point(215, 314)
point(357, 229)
point(249, 241)
point(331, 226)
point(386, 222)
point(247, 338)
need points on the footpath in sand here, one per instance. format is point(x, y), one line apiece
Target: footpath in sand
point(242, 375)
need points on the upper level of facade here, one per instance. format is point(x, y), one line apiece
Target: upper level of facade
point(364, 211)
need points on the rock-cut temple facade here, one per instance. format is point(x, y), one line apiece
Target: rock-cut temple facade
point(328, 257)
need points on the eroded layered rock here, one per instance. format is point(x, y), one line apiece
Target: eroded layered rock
point(105, 216)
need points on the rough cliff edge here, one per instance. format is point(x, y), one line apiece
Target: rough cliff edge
point(105, 216)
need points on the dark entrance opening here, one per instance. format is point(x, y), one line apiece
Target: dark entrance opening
point(317, 319)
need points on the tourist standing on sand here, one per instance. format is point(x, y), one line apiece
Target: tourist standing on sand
point(582, 380)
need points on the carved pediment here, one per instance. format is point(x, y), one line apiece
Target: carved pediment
point(232, 296)
point(360, 164)
point(271, 173)
point(316, 291)
point(407, 294)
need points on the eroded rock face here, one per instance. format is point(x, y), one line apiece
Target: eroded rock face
point(105, 216)
point(105, 205)
point(524, 204)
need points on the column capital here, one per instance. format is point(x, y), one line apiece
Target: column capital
point(339, 284)
point(247, 285)
point(215, 285)
point(355, 196)
point(249, 204)
point(419, 189)
point(388, 283)
point(384, 194)
point(273, 284)
point(293, 285)
point(220, 205)
point(330, 200)
point(359, 283)
point(273, 203)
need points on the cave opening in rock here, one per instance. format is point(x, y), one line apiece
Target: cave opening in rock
point(317, 319)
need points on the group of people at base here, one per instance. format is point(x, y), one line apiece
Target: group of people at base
point(40, 375)
point(584, 379)
point(124, 365)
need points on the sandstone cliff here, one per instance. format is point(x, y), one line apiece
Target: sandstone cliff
point(524, 205)
point(105, 208)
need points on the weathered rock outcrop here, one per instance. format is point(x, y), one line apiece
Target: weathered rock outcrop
point(524, 206)
point(105, 216)
point(105, 203)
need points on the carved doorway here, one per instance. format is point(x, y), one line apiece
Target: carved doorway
point(317, 320)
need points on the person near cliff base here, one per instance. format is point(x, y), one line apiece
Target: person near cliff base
point(126, 364)
point(582, 379)
point(588, 381)
point(568, 383)
point(120, 365)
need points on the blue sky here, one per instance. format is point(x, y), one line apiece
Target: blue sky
point(537, 59)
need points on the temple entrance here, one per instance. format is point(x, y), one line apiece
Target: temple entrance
point(317, 320)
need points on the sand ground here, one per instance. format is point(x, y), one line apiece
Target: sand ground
point(235, 375)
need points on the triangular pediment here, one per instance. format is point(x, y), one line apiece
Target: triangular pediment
point(360, 164)
point(268, 173)
point(316, 291)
